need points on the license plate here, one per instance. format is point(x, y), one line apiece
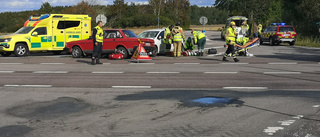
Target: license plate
point(286, 34)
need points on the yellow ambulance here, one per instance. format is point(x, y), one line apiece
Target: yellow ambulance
point(47, 32)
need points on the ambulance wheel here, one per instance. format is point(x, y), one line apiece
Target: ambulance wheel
point(155, 52)
point(123, 51)
point(292, 43)
point(21, 50)
point(5, 54)
point(76, 52)
point(56, 52)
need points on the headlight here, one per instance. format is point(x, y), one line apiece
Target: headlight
point(7, 40)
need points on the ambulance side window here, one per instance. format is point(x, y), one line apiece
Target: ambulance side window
point(68, 24)
point(41, 31)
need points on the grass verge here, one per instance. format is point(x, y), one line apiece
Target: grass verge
point(313, 41)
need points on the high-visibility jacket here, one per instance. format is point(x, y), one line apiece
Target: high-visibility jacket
point(247, 26)
point(260, 28)
point(188, 44)
point(167, 36)
point(197, 36)
point(99, 35)
point(177, 31)
point(231, 37)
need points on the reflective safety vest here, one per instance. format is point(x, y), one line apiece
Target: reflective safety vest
point(260, 28)
point(99, 35)
point(167, 36)
point(197, 36)
point(178, 36)
point(231, 36)
point(188, 45)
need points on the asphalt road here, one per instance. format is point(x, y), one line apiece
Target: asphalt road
point(275, 92)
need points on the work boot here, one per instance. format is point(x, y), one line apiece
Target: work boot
point(93, 62)
point(98, 62)
point(236, 60)
point(224, 59)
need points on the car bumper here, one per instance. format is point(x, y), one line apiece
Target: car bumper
point(285, 40)
point(147, 48)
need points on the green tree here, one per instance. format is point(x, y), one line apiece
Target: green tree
point(45, 8)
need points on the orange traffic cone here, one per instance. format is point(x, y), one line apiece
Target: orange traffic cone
point(140, 53)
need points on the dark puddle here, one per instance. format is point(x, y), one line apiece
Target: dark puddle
point(14, 131)
point(213, 102)
point(49, 109)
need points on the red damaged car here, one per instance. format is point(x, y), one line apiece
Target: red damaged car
point(124, 41)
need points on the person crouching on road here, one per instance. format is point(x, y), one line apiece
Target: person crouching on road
point(178, 37)
point(168, 39)
point(97, 37)
point(230, 40)
point(199, 39)
point(188, 45)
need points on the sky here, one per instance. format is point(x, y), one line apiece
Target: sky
point(23, 5)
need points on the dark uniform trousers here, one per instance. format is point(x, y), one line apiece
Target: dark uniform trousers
point(97, 50)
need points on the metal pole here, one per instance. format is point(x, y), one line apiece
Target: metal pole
point(159, 15)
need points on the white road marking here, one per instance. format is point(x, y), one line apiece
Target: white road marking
point(131, 86)
point(282, 72)
point(234, 63)
point(316, 106)
point(50, 72)
point(255, 88)
point(220, 72)
point(6, 71)
point(163, 72)
point(106, 63)
point(272, 130)
point(282, 63)
point(35, 86)
point(187, 63)
point(298, 116)
point(107, 72)
point(143, 63)
point(218, 54)
point(52, 63)
point(11, 63)
point(287, 122)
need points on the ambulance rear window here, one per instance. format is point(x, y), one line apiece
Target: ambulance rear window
point(286, 29)
point(68, 24)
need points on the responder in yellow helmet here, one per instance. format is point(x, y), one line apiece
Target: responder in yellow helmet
point(97, 37)
point(230, 40)
point(178, 37)
point(200, 40)
point(168, 37)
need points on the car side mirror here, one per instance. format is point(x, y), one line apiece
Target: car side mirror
point(34, 34)
point(160, 37)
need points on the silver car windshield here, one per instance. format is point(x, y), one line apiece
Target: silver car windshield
point(148, 34)
point(24, 30)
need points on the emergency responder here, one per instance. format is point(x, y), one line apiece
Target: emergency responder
point(230, 40)
point(188, 45)
point(178, 37)
point(199, 39)
point(245, 28)
point(97, 37)
point(259, 28)
point(168, 39)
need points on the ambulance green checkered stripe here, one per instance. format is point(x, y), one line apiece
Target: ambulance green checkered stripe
point(45, 39)
point(35, 45)
point(74, 36)
point(60, 44)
